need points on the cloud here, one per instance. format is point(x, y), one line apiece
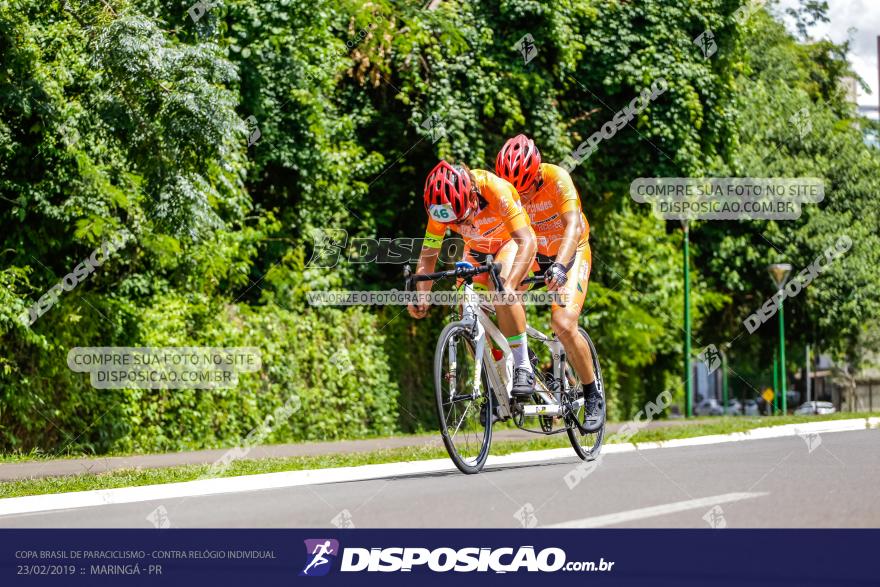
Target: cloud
point(858, 21)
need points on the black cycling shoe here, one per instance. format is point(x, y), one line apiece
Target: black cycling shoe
point(523, 383)
point(594, 410)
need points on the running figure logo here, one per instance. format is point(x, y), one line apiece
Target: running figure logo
point(320, 554)
point(527, 48)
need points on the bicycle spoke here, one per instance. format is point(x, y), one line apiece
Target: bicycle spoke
point(466, 410)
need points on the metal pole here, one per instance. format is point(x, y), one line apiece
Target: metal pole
point(724, 380)
point(809, 382)
point(775, 380)
point(783, 384)
point(688, 388)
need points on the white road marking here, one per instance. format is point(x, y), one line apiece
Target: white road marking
point(203, 487)
point(657, 510)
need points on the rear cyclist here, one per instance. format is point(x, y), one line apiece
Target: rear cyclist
point(487, 212)
point(564, 257)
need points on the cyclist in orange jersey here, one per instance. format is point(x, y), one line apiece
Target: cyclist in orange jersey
point(487, 212)
point(554, 207)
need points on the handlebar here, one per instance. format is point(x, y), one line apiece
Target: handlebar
point(534, 279)
point(463, 271)
point(541, 278)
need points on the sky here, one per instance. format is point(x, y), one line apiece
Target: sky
point(863, 17)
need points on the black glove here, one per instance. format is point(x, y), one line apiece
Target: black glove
point(558, 271)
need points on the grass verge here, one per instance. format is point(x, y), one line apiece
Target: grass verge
point(139, 477)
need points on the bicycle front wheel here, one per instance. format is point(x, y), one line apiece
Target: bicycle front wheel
point(464, 410)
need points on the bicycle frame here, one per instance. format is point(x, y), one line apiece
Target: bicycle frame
point(501, 377)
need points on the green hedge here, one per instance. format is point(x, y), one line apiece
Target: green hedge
point(52, 409)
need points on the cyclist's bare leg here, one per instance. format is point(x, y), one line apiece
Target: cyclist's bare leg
point(565, 324)
point(564, 319)
point(512, 321)
point(511, 317)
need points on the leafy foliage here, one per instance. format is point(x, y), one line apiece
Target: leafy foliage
point(221, 139)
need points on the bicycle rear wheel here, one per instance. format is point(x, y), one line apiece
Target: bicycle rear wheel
point(465, 433)
point(586, 445)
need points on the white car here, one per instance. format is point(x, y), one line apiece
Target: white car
point(708, 407)
point(815, 408)
point(734, 408)
point(750, 408)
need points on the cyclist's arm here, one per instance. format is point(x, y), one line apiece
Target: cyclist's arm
point(568, 204)
point(527, 245)
point(427, 262)
point(520, 230)
point(574, 230)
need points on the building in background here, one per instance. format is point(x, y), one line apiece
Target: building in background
point(851, 87)
point(872, 137)
point(828, 385)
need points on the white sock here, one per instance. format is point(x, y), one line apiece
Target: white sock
point(519, 344)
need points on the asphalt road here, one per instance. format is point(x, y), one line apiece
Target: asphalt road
point(753, 484)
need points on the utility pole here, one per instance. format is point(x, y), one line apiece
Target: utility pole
point(783, 384)
point(775, 381)
point(724, 380)
point(688, 388)
point(779, 273)
point(808, 376)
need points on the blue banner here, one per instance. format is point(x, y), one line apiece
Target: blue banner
point(432, 557)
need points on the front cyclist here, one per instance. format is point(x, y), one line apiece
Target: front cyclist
point(554, 208)
point(486, 211)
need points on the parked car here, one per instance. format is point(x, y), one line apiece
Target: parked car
point(734, 408)
point(708, 407)
point(750, 408)
point(816, 408)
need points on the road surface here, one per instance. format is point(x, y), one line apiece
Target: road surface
point(778, 482)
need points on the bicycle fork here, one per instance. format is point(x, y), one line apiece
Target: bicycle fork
point(478, 356)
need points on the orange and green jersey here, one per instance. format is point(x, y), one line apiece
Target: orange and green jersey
point(499, 214)
point(555, 196)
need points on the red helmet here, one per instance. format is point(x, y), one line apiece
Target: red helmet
point(448, 193)
point(518, 162)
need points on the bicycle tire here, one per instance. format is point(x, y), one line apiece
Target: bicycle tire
point(461, 332)
point(574, 433)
